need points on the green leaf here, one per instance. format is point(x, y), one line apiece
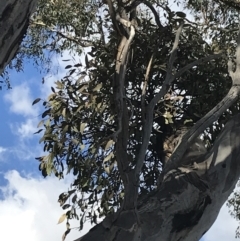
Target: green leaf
point(36, 101)
point(79, 81)
point(109, 143)
point(65, 234)
point(74, 198)
point(65, 206)
point(181, 14)
point(82, 127)
point(78, 65)
point(68, 67)
point(38, 131)
point(98, 87)
point(40, 123)
point(108, 157)
point(62, 218)
point(45, 113)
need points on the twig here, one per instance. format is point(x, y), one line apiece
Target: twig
point(73, 39)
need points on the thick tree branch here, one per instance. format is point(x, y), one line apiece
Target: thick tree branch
point(147, 128)
point(168, 81)
point(211, 116)
point(121, 135)
point(14, 19)
point(189, 200)
point(112, 13)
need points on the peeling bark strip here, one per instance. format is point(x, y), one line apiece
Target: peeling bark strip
point(14, 18)
point(188, 201)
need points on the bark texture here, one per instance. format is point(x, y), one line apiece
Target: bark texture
point(186, 203)
point(14, 19)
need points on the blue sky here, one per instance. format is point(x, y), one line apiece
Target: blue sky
point(28, 202)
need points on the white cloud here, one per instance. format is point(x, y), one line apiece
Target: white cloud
point(2, 149)
point(25, 150)
point(20, 100)
point(26, 129)
point(29, 206)
point(29, 209)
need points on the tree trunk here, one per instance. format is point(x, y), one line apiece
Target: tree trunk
point(14, 19)
point(186, 203)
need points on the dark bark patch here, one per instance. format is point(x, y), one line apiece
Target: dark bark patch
point(224, 165)
point(189, 219)
point(6, 12)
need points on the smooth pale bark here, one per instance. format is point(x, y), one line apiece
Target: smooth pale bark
point(188, 201)
point(14, 19)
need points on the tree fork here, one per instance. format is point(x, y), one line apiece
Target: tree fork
point(188, 201)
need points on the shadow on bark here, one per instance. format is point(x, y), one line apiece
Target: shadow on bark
point(186, 203)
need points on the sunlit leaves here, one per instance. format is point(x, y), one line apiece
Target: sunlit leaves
point(82, 127)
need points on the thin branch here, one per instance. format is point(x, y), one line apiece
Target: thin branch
point(238, 54)
point(76, 40)
point(197, 62)
point(100, 28)
point(145, 87)
point(123, 21)
point(173, 53)
point(147, 127)
point(148, 4)
point(112, 13)
point(121, 65)
point(73, 39)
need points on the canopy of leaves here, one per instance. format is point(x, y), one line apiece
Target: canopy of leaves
point(79, 121)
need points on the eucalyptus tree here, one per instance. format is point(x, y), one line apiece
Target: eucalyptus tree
point(127, 121)
point(147, 123)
